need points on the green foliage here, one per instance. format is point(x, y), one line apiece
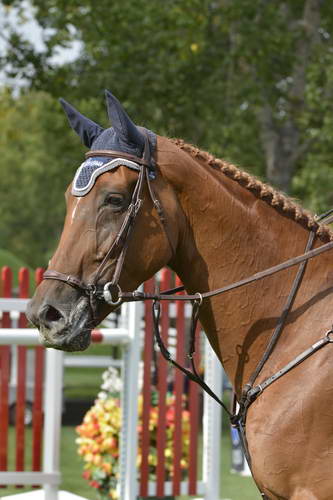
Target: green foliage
point(313, 184)
point(38, 158)
point(193, 69)
point(8, 259)
point(201, 70)
point(168, 62)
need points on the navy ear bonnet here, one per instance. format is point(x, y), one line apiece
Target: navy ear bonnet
point(124, 136)
point(110, 139)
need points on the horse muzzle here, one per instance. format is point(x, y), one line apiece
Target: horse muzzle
point(60, 326)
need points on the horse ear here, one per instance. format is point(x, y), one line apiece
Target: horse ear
point(86, 129)
point(121, 122)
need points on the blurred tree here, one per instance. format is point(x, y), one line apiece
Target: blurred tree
point(168, 62)
point(280, 48)
point(249, 80)
point(230, 76)
point(38, 159)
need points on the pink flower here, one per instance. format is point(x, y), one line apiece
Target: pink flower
point(94, 484)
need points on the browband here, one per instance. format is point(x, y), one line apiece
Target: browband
point(116, 154)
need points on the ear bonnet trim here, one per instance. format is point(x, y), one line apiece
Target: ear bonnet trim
point(92, 168)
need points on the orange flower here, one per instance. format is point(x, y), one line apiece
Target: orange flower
point(98, 442)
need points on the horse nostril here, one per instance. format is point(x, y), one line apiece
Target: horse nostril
point(50, 314)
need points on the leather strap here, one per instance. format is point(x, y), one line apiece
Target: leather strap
point(283, 317)
point(66, 278)
point(122, 237)
point(160, 212)
point(192, 375)
point(118, 154)
point(119, 246)
point(258, 389)
point(136, 296)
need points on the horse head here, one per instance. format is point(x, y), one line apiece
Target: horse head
point(108, 188)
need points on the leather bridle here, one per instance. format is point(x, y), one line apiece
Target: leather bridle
point(111, 293)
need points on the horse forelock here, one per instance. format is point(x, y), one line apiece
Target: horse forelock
point(274, 198)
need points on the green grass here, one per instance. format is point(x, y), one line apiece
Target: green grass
point(84, 383)
point(71, 465)
point(233, 487)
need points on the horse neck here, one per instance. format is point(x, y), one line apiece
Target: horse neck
point(230, 234)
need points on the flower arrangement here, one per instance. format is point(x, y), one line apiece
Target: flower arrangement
point(98, 441)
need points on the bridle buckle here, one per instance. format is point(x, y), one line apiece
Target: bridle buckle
point(329, 336)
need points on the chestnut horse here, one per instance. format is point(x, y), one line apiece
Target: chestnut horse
point(220, 225)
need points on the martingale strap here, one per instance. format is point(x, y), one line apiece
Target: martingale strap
point(253, 393)
point(137, 295)
point(250, 393)
point(282, 319)
point(192, 375)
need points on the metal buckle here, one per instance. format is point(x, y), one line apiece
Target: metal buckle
point(91, 289)
point(329, 336)
point(137, 205)
point(199, 299)
point(108, 296)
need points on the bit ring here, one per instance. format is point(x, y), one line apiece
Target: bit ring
point(108, 295)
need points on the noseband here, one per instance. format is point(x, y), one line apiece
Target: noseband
point(110, 291)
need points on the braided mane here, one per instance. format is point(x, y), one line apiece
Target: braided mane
point(271, 196)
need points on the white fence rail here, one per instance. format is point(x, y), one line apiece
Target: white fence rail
point(129, 336)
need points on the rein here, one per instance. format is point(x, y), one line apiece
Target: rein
point(112, 294)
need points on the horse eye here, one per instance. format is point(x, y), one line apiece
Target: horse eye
point(114, 200)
